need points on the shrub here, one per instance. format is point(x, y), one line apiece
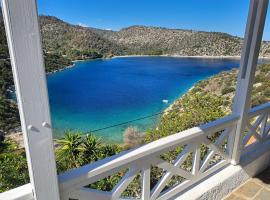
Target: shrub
point(132, 137)
point(13, 168)
point(227, 90)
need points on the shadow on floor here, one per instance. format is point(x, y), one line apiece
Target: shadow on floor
point(264, 177)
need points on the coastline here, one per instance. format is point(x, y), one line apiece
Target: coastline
point(181, 56)
point(62, 69)
point(170, 107)
point(164, 55)
point(71, 66)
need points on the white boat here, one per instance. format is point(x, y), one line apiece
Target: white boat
point(165, 101)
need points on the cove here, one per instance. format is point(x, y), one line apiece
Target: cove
point(102, 93)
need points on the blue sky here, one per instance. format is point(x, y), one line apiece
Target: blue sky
point(208, 15)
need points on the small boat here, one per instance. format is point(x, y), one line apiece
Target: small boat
point(165, 101)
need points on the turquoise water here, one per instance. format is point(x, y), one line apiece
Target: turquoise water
point(97, 94)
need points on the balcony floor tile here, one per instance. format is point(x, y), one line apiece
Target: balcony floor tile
point(257, 188)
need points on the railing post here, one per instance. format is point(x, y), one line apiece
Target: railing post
point(22, 28)
point(249, 59)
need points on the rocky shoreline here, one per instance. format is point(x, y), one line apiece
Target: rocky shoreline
point(181, 56)
point(62, 69)
point(164, 55)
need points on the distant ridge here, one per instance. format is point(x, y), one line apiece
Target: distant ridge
point(77, 42)
point(58, 34)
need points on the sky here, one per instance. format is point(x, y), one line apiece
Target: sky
point(207, 15)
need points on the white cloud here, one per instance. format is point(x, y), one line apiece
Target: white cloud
point(82, 25)
point(108, 29)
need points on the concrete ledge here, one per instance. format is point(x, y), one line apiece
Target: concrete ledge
point(226, 180)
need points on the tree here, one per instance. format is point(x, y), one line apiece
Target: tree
point(69, 150)
point(90, 148)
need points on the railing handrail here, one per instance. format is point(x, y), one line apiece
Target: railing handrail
point(24, 192)
point(78, 177)
point(259, 109)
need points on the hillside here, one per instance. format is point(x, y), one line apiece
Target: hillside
point(78, 42)
point(156, 40)
point(74, 41)
point(224, 85)
point(208, 100)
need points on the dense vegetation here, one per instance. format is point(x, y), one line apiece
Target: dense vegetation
point(13, 168)
point(192, 110)
point(9, 117)
point(75, 42)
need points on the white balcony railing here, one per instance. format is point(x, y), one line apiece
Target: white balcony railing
point(140, 161)
point(257, 128)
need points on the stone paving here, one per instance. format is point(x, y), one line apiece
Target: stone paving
point(257, 188)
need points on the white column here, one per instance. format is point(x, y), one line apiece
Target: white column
point(249, 59)
point(22, 28)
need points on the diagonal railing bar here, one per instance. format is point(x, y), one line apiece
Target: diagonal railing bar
point(175, 170)
point(263, 128)
point(206, 161)
point(218, 150)
point(123, 184)
point(211, 153)
point(168, 175)
point(169, 193)
point(146, 189)
point(196, 159)
point(259, 119)
point(252, 130)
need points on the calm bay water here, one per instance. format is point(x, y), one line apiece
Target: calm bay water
point(101, 93)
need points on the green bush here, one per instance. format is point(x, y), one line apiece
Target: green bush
point(227, 90)
point(76, 150)
point(13, 167)
point(192, 110)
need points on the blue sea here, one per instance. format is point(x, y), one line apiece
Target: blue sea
point(108, 95)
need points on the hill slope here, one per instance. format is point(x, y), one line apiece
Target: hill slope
point(76, 42)
point(71, 40)
point(209, 100)
point(156, 40)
